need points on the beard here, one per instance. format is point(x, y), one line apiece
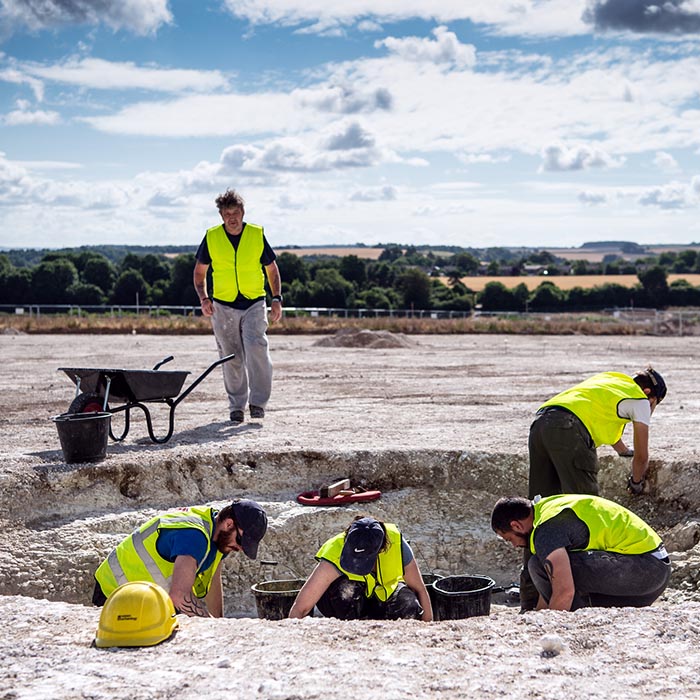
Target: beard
point(226, 541)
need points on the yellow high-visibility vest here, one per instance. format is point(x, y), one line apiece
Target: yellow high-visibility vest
point(612, 527)
point(594, 402)
point(389, 573)
point(136, 557)
point(236, 270)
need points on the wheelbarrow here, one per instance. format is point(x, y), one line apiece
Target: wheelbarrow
point(94, 387)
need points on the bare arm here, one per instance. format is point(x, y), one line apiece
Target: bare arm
point(414, 581)
point(181, 593)
point(558, 568)
point(275, 282)
point(316, 585)
point(199, 278)
point(214, 599)
point(640, 461)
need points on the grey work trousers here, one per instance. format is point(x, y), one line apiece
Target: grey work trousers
point(248, 376)
point(609, 580)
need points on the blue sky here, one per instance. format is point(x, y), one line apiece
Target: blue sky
point(475, 123)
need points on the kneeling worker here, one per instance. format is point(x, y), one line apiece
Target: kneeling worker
point(587, 551)
point(366, 572)
point(181, 551)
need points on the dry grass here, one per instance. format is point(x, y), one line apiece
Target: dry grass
point(360, 252)
point(566, 282)
point(537, 324)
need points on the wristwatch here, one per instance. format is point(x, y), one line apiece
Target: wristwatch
point(277, 297)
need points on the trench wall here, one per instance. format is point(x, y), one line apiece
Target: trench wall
point(62, 520)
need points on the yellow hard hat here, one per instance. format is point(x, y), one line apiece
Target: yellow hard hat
point(136, 614)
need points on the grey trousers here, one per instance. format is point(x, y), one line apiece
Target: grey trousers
point(248, 377)
point(609, 580)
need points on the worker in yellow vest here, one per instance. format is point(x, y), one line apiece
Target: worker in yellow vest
point(586, 551)
point(366, 572)
point(240, 258)
point(569, 428)
point(181, 551)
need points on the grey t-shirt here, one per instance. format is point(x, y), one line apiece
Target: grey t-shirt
point(563, 530)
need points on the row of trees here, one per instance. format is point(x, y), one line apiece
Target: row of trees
point(401, 278)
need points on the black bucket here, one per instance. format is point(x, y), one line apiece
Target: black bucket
point(274, 599)
point(457, 597)
point(429, 580)
point(83, 436)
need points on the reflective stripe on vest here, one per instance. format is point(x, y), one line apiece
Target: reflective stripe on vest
point(235, 270)
point(612, 528)
point(389, 564)
point(136, 558)
point(594, 402)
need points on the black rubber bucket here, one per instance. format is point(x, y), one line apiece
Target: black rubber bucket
point(457, 597)
point(274, 599)
point(83, 436)
point(429, 580)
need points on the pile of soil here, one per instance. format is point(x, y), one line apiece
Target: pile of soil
point(353, 338)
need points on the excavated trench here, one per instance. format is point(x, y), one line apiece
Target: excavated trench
point(62, 520)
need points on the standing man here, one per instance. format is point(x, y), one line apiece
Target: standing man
point(569, 428)
point(238, 253)
point(586, 551)
point(181, 551)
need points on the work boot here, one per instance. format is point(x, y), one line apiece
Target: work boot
point(237, 416)
point(257, 411)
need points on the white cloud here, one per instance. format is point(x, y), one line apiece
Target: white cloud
point(593, 198)
point(482, 158)
point(446, 49)
point(558, 157)
point(24, 116)
point(99, 74)
point(529, 17)
point(18, 77)
point(137, 16)
point(665, 161)
point(673, 195)
point(384, 193)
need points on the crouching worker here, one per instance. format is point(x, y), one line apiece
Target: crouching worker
point(366, 572)
point(182, 551)
point(587, 551)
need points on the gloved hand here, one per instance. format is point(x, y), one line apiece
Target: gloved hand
point(626, 453)
point(635, 488)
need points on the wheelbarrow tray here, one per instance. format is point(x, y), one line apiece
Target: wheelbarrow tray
point(131, 385)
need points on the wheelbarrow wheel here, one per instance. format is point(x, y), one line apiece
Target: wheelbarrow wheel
point(88, 402)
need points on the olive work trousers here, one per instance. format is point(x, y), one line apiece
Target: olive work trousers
point(346, 600)
point(609, 580)
point(248, 376)
point(563, 459)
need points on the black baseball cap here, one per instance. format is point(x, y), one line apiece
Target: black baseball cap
point(364, 540)
point(252, 519)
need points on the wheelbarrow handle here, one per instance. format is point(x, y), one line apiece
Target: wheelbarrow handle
point(163, 361)
point(202, 376)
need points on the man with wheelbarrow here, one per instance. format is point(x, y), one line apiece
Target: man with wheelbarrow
point(182, 551)
point(238, 253)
